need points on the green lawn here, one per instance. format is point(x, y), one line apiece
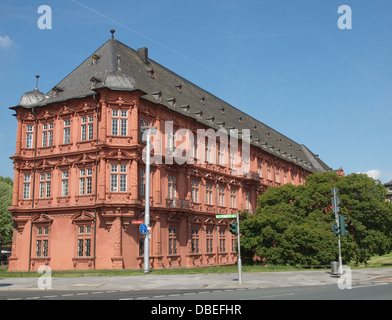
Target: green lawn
point(387, 258)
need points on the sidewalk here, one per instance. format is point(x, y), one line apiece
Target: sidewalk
point(199, 281)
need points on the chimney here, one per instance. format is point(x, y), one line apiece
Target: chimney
point(143, 54)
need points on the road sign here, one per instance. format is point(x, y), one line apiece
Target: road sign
point(137, 221)
point(223, 216)
point(335, 191)
point(143, 228)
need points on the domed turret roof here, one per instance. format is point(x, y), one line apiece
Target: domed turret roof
point(31, 98)
point(119, 80)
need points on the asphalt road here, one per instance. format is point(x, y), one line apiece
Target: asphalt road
point(362, 291)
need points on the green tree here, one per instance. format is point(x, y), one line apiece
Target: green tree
point(6, 222)
point(292, 224)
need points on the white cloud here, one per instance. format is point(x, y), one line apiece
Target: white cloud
point(374, 173)
point(5, 41)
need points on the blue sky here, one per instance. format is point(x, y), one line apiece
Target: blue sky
point(284, 62)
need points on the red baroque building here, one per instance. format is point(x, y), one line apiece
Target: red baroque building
point(80, 175)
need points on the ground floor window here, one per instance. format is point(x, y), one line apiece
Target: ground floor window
point(195, 240)
point(209, 241)
point(42, 241)
point(172, 240)
point(84, 241)
point(222, 239)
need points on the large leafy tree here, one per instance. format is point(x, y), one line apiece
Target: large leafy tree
point(5, 215)
point(292, 224)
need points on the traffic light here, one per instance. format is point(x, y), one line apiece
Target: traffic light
point(233, 228)
point(343, 225)
point(335, 229)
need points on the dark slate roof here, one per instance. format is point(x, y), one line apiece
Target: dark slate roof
point(119, 67)
point(388, 184)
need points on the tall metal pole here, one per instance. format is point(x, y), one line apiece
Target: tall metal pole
point(239, 251)
point(147, 208)
point(336, 210)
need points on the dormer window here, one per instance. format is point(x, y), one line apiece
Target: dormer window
point(93, 82)
point(95, 58)
point(151, 73)
point(55, 91)
point(157, 95)
point(171, 102)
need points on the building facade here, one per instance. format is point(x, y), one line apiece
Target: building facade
point(79, 184)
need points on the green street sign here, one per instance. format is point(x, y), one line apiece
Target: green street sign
point(223, 216)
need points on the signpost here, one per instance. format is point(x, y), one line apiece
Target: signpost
point(223, 216)
point(228, 216)
point(149, 132)
point(143, 228)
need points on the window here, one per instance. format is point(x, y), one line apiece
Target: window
point(194, 148)
point(259, 169)
point(171, 184)
point(29, 136)
point(277, 175)
point(293, 177)
point(171, 140)
point(47, 134)
point(141, 247)
point(67, 131)
point(208, 193)
point(26, 186)
point(268, 171)
point(233, 242)
point(195, 240)
point(233, 198)
point(285, 176)
point(221, 155)
point(195, 191)
point(221, 194)
point(209, 241)
point(142, 123)
point(85, 181)
point(45, 185)
point(118, 178)
point(119, 122)
point(64, 183)
point(222, 239)
point(172, 240)
point(42, 233)
point(231, 159)
point(207, 151)
point(87, 128)
point(142, 182)
point(84, 241)
point(247, 200)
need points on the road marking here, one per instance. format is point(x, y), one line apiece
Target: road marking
point(371, 285)
point(82, 293)
point(272, 296)
point(67, 295)
point(174, 295)
point(97, 292)
point(158, 296)
point(33, 298)
point(49, 296)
